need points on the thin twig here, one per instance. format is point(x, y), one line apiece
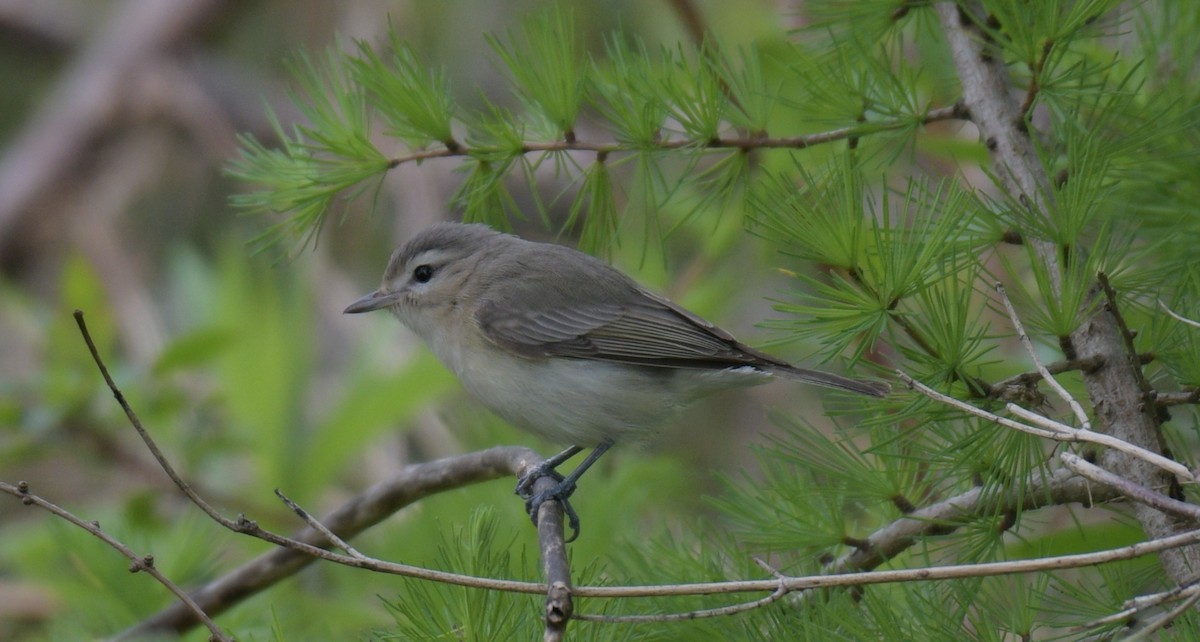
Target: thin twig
point(1178, 317)
point(1167, 399)
point(1148, 630)
point(141, 431)
point(1138, 604)
point(700, 614)
point(316, 525)
point(138, 563)
point(1052, 429)
point(1080, 414)
point(1071, 433)
point(1129, 489)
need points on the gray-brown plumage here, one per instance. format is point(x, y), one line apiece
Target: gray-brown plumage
point(562, 344)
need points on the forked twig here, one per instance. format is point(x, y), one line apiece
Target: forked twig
point(1084, 422)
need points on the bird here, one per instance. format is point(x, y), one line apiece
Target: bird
point(564, 345)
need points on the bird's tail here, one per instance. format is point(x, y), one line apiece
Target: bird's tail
point(830, 380)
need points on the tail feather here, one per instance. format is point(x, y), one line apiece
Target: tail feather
point(830, 380)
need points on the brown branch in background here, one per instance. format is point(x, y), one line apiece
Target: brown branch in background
point(1035, 72)
point(693, 22)
point(90, 99)
point(45, 25)
point(378, 502)
point(137, 563)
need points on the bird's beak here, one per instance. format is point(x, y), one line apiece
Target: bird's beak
point(373, 301)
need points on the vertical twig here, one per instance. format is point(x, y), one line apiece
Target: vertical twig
point(555, 566)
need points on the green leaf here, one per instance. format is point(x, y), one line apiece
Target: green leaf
point(193, 349)
point(626, 94)
point(411, 97)
point(695, 98)
point(544, 61)
point(371, 404)
point(317, 162)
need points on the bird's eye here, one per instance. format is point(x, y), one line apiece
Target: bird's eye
point(422, 273)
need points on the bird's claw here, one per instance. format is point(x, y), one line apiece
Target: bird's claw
point(560, 493)
point(525, 484)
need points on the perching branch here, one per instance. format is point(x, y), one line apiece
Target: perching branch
point(555, 567)
point(419, 480)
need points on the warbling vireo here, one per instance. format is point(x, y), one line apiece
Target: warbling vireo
point(561, 344)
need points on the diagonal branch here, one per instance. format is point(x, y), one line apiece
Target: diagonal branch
point(1059, 487)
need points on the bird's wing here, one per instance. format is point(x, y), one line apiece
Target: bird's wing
point(643, 329)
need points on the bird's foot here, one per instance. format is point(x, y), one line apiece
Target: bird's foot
point(524, 487)
point(559, 493)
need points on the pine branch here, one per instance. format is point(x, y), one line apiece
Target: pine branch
point(745, 144)
point(1040, 490)
point(1118, 391)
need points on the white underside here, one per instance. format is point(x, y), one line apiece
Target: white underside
point(574, 401)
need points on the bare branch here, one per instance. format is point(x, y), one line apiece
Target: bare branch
point(1049, 429)
point(381, 500)
point(1164, 620)
point(1167, 399)
point(1136, 605)
point(1129, 489)
point(1057, 488)
point(138, 563)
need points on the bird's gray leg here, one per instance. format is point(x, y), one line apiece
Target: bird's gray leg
point(543, 469)
point(566, 486)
